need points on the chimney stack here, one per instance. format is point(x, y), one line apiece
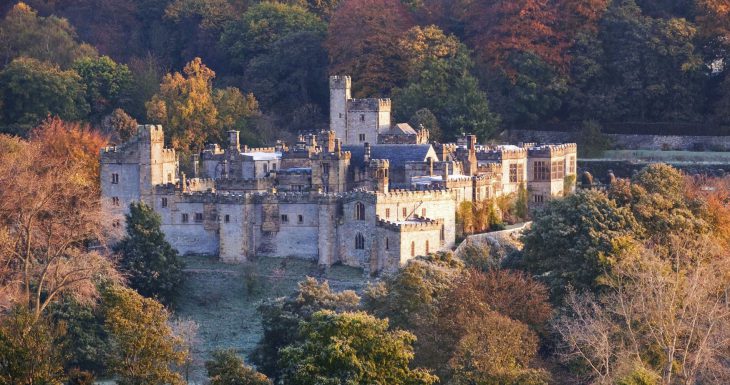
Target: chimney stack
point(366, 155)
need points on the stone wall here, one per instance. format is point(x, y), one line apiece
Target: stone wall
point(628, 142)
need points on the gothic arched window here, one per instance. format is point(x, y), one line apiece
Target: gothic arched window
point(359, 211)
point(359, 242)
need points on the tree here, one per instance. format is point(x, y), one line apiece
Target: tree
point(236, 111)
point(426, 119)
point(261, 26)
point(31, 90)
point(440, 81)
point(349, 348)
point(120, 126)
point(51, 39)
point(665, 314)
point(30, 349)
point(575, 240)
point(362, 40)
point(152, 265)
point(84, 343)
point(143, 344)
point(49, 214)
point(281, 318)
point(227, 368)
point(107, 83)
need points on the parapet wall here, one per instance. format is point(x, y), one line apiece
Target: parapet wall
point(549, 150)
point(370, 104)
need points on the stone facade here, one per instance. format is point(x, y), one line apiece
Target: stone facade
point(370, 206)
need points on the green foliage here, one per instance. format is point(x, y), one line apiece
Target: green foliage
point(30, 350)
point(107, 83)
point(577, 239)
point(351, 348)
point(86, 345)
point(640, 376)
point(30, 90)
point(51, 39)
point(444, 85)
point(591, 141)
point(144, 347)
point(281, 318)
point(520, 204)
point(227, 368)
point(261, 26)
point(424, 117)
point(152, 265)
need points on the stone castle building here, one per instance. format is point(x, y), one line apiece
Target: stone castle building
point(332, 197)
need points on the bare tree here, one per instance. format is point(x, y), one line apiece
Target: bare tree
point(669, 300)
point(50, 216)
point(187, 331)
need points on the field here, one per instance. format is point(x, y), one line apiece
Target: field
point(674, 157)
point(222, 298)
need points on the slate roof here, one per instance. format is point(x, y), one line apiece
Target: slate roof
point(402, 129)
point(397, 154)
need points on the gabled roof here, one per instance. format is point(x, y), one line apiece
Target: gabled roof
point(402, 129)
point(397, 154)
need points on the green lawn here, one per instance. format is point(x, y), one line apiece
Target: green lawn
point(216, 296)
point(666, 156)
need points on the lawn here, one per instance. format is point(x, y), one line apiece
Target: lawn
point(222, 298)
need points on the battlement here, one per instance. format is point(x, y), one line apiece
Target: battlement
point(250, 184)
point(549, 150)
point(367, 105)
point(199, 184)
point(413, 195)
point(502, 152)
point(340, 82)
point(379, 163)
point(416, 224)
point(150, 132)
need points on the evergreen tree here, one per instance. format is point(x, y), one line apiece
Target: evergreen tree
point(152, 265)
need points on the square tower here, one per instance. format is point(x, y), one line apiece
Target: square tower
point(339, 95)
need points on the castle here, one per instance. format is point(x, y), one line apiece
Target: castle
point(366, 193)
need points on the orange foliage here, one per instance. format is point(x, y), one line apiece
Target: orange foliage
point(715, 194)
point(714, 18)
point(72, 142)
point(363, 40)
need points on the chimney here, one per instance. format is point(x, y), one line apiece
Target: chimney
point(183, 182)
point(233, 141)
point(338, 146)
point(366, 154)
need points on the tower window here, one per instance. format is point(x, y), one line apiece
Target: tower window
point(115, 201)
point(387, 244)
point(387, 213)
point(362, 117)
point(359, 211)
point(115, 178)
point(300, 218)
point(405, 213)
point(427, 247)
point(227, 218)
point(362, 137)
point(284, 218)
point(164, 202)
point(185, 218)
point(359, 242)
point(198, 217)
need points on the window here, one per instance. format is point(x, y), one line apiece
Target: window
point(359, 211)
point(198, 217)
point(227, 218)
point(164, 202)
point(115, 178)
point(362, 137)
point(405, 213)
point(423, 213)
point(116, 223)
point(516, 173)
point(541, 171)
point(362, 117)
point(115, 201)
point(571, 165)
point(387, 213)
point(387, 244)
point(427, 248)
point(284, 218)
point(266, 168)
point(538, 198)
point(359, 242)
point(557, 170)
point(300, 218)
point(442, 236)
point(413, 248)
point(169, 178)
point(185, 218)
point(340, 115)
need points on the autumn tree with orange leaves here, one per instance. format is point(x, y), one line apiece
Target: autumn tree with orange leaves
point(50, 217)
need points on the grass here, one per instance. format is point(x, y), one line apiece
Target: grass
point(222, 298)
point(666, 156)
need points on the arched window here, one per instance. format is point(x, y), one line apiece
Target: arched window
point(426, 247)
point(413, 248)
point(359, 211)
point(387, 246)
point(359, 242)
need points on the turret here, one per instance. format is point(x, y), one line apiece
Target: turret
point(339, 95)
